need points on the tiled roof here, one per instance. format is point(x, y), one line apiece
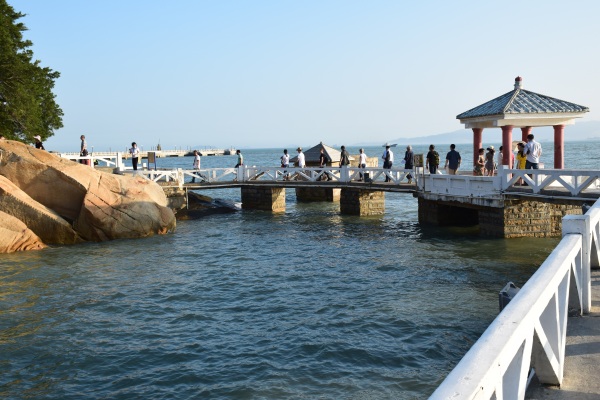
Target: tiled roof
point(520, 101)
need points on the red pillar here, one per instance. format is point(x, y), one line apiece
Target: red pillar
point(506, 145)
point(526, 130)
point(559, 144)
point(477, 143)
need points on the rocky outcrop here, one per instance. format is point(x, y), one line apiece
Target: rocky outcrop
point(15, 236)
point(44, 222)
point(100, 206)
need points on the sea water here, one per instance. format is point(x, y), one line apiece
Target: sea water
point(253, 305)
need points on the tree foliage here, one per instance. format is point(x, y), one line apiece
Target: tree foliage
point(27, 103)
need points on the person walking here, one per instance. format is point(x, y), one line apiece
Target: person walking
point(135, 154)
point(409, 161)
point(285, 159)
point(285, 163)
point(240, 159)
point(452, 160)
point(196, 165)
point(489, 161)
point(534, 151)
point(433, 159)
point(323, 160)
point(388, 160)
point(362, 162)
point(38, 142)
point(344, 157)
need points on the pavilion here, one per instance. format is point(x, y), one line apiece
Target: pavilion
point(523, 109)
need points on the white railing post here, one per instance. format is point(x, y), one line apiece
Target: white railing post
point(580, 224)
point(344, 174)
point(119, 162)
point(240, 173)
point(179, 175)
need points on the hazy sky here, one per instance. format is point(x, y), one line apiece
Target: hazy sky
point(252, 73)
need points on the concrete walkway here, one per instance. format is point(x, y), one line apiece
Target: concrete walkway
point(582, 362)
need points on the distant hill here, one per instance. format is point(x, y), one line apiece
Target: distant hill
point(581, 131)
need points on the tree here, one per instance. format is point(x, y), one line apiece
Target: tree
point(27, 103)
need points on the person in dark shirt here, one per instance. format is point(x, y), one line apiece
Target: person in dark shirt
point(433, 160)
point(409, 161)
point(452, 160)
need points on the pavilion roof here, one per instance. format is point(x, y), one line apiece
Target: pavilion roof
point(523, 102)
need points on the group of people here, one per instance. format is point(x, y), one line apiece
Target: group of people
point(527, 157)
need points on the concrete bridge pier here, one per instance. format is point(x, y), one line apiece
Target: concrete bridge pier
point(362, 202)
point(507, 218)
point(263, 198)
point(317, 194)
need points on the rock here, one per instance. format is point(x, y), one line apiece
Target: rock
point(44, 222)
point(202, 206)
point(101, 206)
point(15, 236)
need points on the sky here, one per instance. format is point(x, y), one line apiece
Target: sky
point(269, 74)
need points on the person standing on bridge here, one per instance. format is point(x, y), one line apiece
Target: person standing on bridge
point(489, 161)
point(344, 157)
point(452, 160)
point(240, 159)
point(433, 160)
point(196, 165)
point(301, 160)
point(135, 154)
point(534, 151)
point(409, 161)
point(388, 160)
point(285, 163)
point(323, 160)
point(362, 162)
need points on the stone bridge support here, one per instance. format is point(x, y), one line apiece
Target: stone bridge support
point(263, 198)
point(516, 217)
point(362, 202)
point(318, 194)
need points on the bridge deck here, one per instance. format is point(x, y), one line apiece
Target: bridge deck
point(582, 358)
point(386, 187)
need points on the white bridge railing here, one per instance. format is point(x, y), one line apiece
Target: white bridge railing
point(567, 180)
point(278, 174)
point(114, 160)
point(531, 331)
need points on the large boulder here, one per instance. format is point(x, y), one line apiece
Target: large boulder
point(15, 236)
point(101, 206)
point(44, 222)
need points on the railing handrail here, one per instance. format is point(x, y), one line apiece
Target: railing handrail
point(533, 325)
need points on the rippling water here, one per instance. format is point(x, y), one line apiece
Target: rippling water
point(304, 304)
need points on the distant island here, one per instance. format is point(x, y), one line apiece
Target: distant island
point(580, 131)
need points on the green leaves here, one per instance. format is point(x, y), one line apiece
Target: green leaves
point(27, 103)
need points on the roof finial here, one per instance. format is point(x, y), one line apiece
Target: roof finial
point(518, 82)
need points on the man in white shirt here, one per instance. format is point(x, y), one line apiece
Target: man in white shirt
point(534, 151)
point(196, 164)
point(362, 161)
point(388, 160)
point(301, 160)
